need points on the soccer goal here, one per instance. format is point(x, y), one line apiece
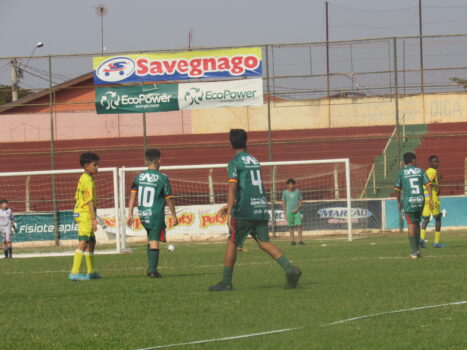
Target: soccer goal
point(200, 191)
point(43, 201)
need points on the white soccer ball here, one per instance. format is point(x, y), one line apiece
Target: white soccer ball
point(171, 247)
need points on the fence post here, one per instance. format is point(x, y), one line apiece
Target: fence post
point(336, 183)
point(273, 200)
point(212, 198)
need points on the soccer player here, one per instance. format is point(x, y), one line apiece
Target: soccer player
point(85, 214)
point(7, 224)
point(410, 181)
point(291, 203)
point(432, 173)
point(153, 190)
point(247, 213)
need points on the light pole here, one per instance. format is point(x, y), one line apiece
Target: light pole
point(17, 72)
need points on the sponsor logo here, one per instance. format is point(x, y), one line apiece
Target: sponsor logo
point(418, 199)
point(339, 215)
point(256, 202)
point(110, 100)
point(185, 219)
point(149, 177)
point(207, 220)
point(412, 171)
point(115, 69)
point(46, 228)
point(193, 96)
point(249, 160)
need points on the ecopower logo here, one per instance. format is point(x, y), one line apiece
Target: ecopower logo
point(112, 100)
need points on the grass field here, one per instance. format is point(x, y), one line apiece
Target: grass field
point(41, 309)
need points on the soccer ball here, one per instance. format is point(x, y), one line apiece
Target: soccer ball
point(171, 247)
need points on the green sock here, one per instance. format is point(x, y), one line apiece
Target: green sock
point(413, 244)
point(156, 258)
point(227, 275)
point(417, 237)
point(285, 263)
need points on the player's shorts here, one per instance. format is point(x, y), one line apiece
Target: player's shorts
point(413, 217)
point(6, 234)
point(242, 228)
point(427, 212)
point(294, 219)
point(85, 232)
point(156, 233)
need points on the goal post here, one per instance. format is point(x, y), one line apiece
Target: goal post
point(200, 191)
point(30, 194)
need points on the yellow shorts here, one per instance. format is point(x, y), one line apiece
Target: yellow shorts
point(427, 212)
point(85, 232)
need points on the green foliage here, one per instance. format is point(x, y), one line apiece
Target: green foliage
point(460, 81)
point(41, 309)
point(5, 94)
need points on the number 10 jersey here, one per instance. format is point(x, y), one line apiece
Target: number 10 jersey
point(251, 202)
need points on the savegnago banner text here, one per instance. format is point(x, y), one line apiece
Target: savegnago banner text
point(174, 97)
point(178, 65)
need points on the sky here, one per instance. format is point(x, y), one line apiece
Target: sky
point(72, 26)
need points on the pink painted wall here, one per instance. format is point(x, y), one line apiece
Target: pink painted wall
point(89, 125)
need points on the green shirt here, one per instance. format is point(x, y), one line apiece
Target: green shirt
point(153, 189)
point(410, 181)
point(291, 199)
point(251, 202)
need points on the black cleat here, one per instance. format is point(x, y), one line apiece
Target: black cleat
point(220, 287)
point(301, 243)
point(292, 278)
point(293, 243)
point(155, 274)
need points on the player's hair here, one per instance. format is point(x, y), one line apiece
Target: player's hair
point(3, 201)
point(88, 157)
point(409, 157)
point(291, 181)
point(152, 155)
point(238, 138)
point(430, 158)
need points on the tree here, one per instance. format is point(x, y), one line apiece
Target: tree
point(460, 81)
point(5, 94)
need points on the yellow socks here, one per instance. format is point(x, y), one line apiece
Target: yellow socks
point(422, 234)
point(437, 237)
point(77, 259)
point(89, 261)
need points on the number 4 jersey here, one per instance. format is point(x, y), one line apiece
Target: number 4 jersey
point(251, 202)
point(410, 181)
point(153, 189)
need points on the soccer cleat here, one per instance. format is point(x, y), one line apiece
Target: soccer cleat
point(154, 274)
point(422, 243)
point(76, 277)
point(293, 243)
point(221, 287)
point(414, 256)
point(292, 278)
point(243, 250)
point(301, 243)
point(439, 245)
point(93, 276)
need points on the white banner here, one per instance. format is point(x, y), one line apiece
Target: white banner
point(232, 93)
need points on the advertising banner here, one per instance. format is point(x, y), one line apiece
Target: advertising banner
point(226, 63)
point(452, 210)
point(173, 97)
point(39, 226)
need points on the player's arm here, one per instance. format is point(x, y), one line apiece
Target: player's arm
point(92, 211)
point(169, 200)
point(131, 206)
point(231, 194)
point(88, 192)
point(397, 188)
point(300, 202)
point(13, 224)
point(427, 182)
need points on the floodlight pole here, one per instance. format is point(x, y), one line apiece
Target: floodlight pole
point(14, 81)
point(52, 155)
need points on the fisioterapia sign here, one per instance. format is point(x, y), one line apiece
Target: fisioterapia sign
point(178, 66)
point(174, 97)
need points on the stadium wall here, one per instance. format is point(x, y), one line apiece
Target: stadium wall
point(285, 115)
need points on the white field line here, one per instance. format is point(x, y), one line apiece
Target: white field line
point(222, 339)
point(299, 328)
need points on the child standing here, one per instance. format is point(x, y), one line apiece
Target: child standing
point(7, 224)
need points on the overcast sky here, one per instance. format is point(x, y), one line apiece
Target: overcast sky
point(72, 26)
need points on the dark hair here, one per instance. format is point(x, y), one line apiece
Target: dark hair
point(238, 138)
point(291, 181)
point(430, 158)
point(3, 201)
point(88, 157)
point(151, 155)
point(409, 157)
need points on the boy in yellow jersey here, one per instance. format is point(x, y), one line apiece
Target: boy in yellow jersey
point(85, 215)
point(432, 173)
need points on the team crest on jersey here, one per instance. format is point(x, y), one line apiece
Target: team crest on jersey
point(249, 160)
point(149, 177)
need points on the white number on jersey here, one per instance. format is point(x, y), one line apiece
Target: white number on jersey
point(256, 181)
point(414, 187)
point(146, 196)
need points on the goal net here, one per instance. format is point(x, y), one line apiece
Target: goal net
point(43, 201)
point(200, 191)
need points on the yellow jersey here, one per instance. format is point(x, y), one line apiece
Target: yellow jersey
point(433, 176)
point(85, 192)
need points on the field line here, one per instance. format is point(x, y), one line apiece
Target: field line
point(221, 339)
point(395, 312)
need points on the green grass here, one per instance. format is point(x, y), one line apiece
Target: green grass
point(41, 309)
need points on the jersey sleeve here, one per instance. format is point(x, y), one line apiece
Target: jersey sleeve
point(426, 179)
point(232, 170)
point(431, 173)
point(167, 190)
point(398, 184)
